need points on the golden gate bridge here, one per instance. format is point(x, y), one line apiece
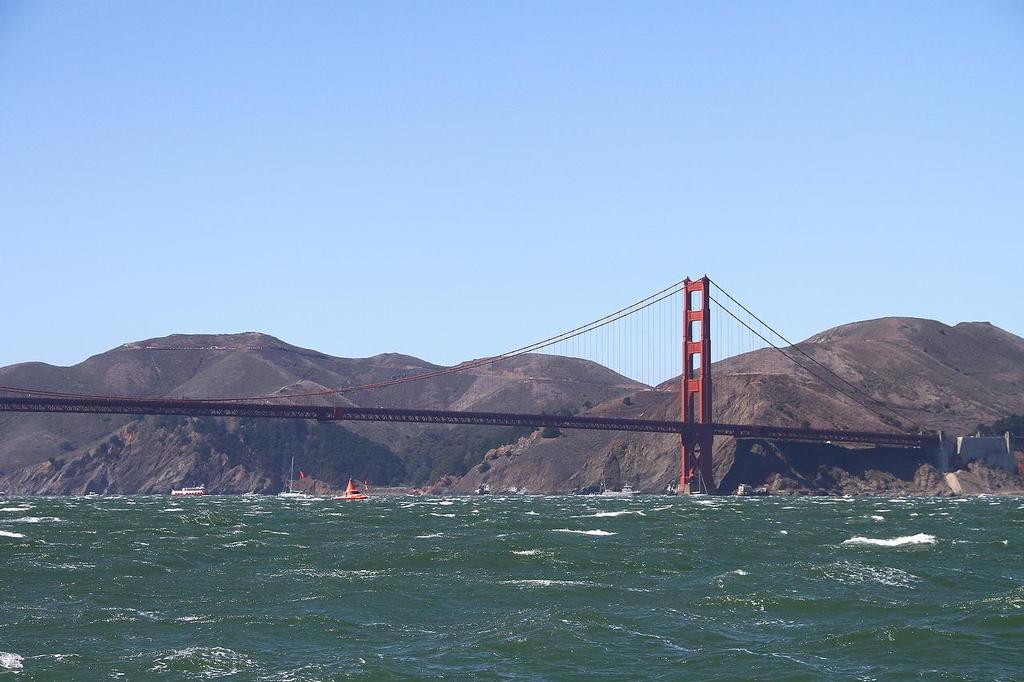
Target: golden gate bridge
point(678, 317)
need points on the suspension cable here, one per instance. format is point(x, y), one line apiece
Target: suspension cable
point(642, 304)
point(871, 398)
point(482, 362)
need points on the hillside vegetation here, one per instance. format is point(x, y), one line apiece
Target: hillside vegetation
point(66, 453)
point(934, 376)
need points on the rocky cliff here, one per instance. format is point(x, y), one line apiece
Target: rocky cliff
point(934, 376)
point(43, 453)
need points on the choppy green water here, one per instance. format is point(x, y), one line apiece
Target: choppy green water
point(511, 588)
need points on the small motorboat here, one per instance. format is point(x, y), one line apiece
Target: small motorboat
point(352, 493)
point(194, 491)
point(627, 491)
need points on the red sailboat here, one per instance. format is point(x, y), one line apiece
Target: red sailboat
point(351, 493)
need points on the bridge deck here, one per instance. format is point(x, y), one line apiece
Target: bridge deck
point(215, 408)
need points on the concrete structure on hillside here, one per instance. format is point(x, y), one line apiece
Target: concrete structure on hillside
point(944, 452)
point(994, 451)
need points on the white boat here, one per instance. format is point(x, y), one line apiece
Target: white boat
point(627, 491)
point(291, 494)
point(746, 490)
point(194, 491)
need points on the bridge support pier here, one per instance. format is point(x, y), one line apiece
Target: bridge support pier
point(943, 452)
point(696, 475)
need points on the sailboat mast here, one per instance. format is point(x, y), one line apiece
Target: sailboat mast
point(291, 474)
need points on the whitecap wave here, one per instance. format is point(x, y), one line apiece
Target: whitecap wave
point(612, 513)
point(19, 508)
point(721, 579)
point(194, 619)
point(537, 582)
point(876, 517)
point(853, 574)
point(211, 661)
point(919, 539)
point(56, 657)
point(337, 573)
point(243, 543)
point(10, 534)
point(526, 552)
point(72, 567)
point(9, 661)
point(430, 535)
point(596, 531)
point(35, 519)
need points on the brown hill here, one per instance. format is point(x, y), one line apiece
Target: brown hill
point(34, 449)
point(935, 377)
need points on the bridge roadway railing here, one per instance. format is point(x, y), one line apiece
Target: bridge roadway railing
point(217, 408)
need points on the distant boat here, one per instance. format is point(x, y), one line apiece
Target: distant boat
point(484, 489)
point(351, 493)
point(291, 479)
point(627, 491)
point(194, 491)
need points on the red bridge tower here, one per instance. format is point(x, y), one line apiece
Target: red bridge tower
point(696, 473)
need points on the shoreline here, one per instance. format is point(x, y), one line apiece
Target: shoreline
point(329, 496)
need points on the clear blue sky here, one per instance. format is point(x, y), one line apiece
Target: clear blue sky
point(454, 179)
